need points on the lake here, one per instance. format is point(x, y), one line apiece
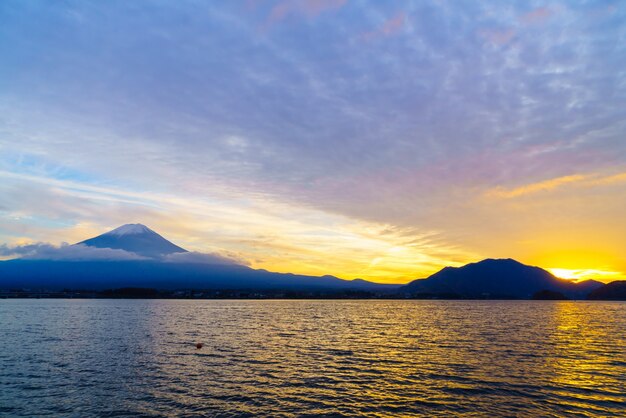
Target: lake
point(311, 357)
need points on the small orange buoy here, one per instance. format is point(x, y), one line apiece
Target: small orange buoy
point(199, 345)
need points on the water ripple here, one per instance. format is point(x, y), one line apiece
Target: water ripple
point(312, 358)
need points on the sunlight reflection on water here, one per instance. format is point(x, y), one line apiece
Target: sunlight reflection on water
point(377, 358)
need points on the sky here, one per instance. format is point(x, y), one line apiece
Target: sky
point(362, 139)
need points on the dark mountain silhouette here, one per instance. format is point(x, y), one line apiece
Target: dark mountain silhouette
point(158, 269)
point(587, 286)
point(97, 275)
point(611, 291)
point(503, 278)
point(135, 238)
point(141, 258)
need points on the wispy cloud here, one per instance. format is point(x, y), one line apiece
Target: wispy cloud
point(579, 180)
point(498, 37)
point(535, 187)
point(201, 258)
point(606, 180)
point(81, 252)
point(315, 7)
point(537, 15)
point(391, 26)
point(65, 252)
point(284, 148)
point(255, 232)
point(300, 8)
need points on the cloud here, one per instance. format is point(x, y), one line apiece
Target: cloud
point(285, 147)
point(280, 11)
point(612, 179)
point(66, 252)
point(307, 8)
point(589, 180)
point(537, 15)
point(276, 237)
point(202, 258)
point(498, 37)
point(391, 26)
point(536, 187)
point(81, 252)
point(315, 7)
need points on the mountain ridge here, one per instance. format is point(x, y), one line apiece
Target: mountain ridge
point(496, 278)
point(159, 263)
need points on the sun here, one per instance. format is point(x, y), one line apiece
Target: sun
point(585, 274)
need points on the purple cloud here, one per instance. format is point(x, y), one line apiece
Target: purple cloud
point(537, 15)
point(461, 98)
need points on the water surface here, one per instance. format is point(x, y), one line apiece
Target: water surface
point(287, 358)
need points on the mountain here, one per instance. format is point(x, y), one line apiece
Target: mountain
point(135, 238)
point(98, 275)
point(163, 265)
point(495, 278)
point(587, 286)
point(610, 291)
point(133, 255)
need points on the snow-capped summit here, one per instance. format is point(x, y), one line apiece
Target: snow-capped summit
point(135, 238)
point(129, 229)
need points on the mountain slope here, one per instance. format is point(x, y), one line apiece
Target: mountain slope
point(135, 238)
point(611, 291)
point(168, 266)
point(99, 275)
point(491, 278)
point(164, 267)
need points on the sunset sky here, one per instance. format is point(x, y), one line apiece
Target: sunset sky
point(380, 140)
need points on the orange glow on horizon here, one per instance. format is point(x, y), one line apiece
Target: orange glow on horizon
point(587, 274)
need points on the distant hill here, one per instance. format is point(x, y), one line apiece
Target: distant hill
point(495, 278)
point(611, 291)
